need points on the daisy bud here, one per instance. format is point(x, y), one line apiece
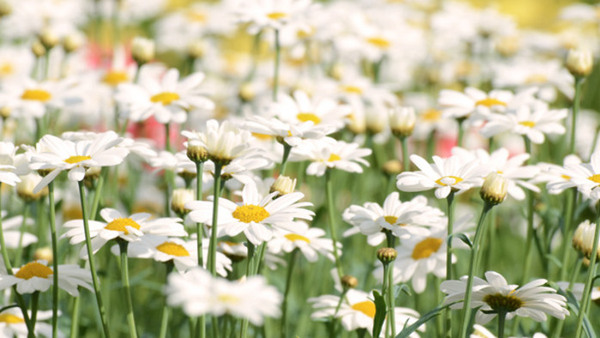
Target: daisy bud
point(73, 42)
point(283, 185)
point(5, 8)
point(508, 46)
point(583, 239)
point(387, 255)
point(247, 93)
point(197, 153)
point(349, 282)
point(179, 199)
point(142, 50)
point(494, 188)
point(580, 62)
point(357, 124)
point(375, 120)
point(25, 188)
point(5, 112)
point(196, 50)
point(188, 176)
point(38, 49)
point(392, 167)
point(91, 176)
point(48, 38)
point(44, 254)
point(402, 121)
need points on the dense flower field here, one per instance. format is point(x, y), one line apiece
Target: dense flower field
point(297, 168)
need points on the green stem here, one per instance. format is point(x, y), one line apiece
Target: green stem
point(277, 60)
point(431, 144)
point(286, 153)
point(75, 317)
point(201, 324)
point(557, 332)
point(405, 160)
point(98, 192)
point(450, 214)
point(164, 321)
point(125, 280)
point(19, 254)
point(54, 238)
point(569, 218)
point(461, 132)
point(576, 104)
point(288, 283)
point(472, 267)
point(501, 320)
point(391, 316)
point(34, 309)
point(88, 244)
point(585, 299)
point(212, 247)
point(530, 229)
point(332, 227)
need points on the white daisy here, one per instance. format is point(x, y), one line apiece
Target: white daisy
point(12, 324)
point(32, 99)
point(276, 14)
point(167, 100)
point(308, 240)
point(328, 153)
point(199, 293)
point(256, 216)
point(118, 226)
point(18, 237)
point(557, 178)
point(7, 164)
point(38, 276)
point(586, 176)
point(494, 294)
point(403, 219)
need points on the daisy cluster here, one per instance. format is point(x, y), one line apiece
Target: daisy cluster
point(282, 168)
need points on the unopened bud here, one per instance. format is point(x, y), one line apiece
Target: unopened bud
point(375, 120)
point(196, 153)
point(494, 188)
point(38, 49)
point(387, 255)
point(5, 112)
point(91, 176)
point(142, 50)
point(179, 199)
point(392, 167)
point(26, 186)
point(48, 38)
point(196, 50)
point(5, 8)
point(44, 253)
point(247, 92)
point(349, 282)
point(402, 121)
point(73, 42)
point(583, 239)
point(580, 62)
point(283, 185)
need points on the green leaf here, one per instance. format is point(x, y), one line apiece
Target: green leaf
point(401, 288)
point(464, 238)
point(380, 312)
point(554, 260)
point(407, 331)
point(573, 304)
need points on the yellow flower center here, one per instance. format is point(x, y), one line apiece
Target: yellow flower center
point(263, 137)
point(490, 102)
point(165, 98)
point(196, 16)
point(352, 89)
point(115, 77)
point(431, 115)
point(500, 302)
point(567, 177)
point(6, 69)
point(595, 178)
point(33, 269)
point(173, 249)
point(250, 213)
point(367, 307)
point(528, 124)
point(426, 247)
point(391, 219)
point(9, 318)
point(455, 178)
point(333, 158)
point(536, 78)
point(120, 224)
point(77, 159)
point(305, 117)
point(225, 298)
point(36, 95)
point(276, 15)
point(379, 42)
point(296, 237)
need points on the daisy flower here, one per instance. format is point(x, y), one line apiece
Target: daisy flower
point(586, 176)
point(30, 98)
point(12, 324)
point(276, 14)
point(307, 240)
point(54, 155)
point(38, 276)
point(557, 178)
point(403, 219)
point(358, 311)
point(199, 293)
point(533, 121)
point(125, 228)
point(184, 254)
point(167, 100)
point(454, 173)
point(255, 216)
point(7, 164)
point(455, 104)
point(494, 295)
point(17, 237)
point(328, 153)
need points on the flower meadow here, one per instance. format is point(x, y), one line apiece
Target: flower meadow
point(297, 168)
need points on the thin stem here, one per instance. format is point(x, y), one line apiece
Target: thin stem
point(19, 254)
point(98, 192)
point(461, 132)
point(450, 214)
point(164, 321)
point(576, 104)
point(530, 229)
point(391, 316)
point(288, 284)
point(54, 238)
point(34, 309)
point(585, 298)
point(405, 160)
point(501, 320)
point(201, 323)
point(75, 317)
point(212, 247)
point(88, 244)
point(277, 60)
point(286, 153)
point(569, 215)
point(125, 279)
point(472, 267)
point(332, 227)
